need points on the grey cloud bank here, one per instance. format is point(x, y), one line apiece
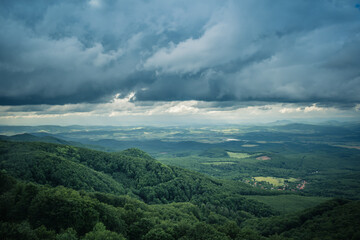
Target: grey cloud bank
point(61, 52)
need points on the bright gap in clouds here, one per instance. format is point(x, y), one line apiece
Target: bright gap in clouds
point(95, 3)
point(124, 111)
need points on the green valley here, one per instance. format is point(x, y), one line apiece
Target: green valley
point(54, 186)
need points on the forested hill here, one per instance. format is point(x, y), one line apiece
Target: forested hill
point(52, 191)
point(130, 172)
point(47, 138)
point(26, 137)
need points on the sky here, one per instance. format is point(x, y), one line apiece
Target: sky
point(161, 62)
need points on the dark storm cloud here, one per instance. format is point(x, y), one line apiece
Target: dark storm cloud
point(231, 105)
point(58, 52)
point(50, 109)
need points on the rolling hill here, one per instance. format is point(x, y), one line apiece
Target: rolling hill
point(57, 191)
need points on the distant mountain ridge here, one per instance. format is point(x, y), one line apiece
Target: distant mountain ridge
point(26, 137)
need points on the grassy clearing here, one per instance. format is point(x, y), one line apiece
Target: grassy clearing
point(289, 203)
point(275, 181)
point(238, 155)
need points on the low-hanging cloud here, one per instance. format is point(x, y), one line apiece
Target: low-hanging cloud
point(66, 52)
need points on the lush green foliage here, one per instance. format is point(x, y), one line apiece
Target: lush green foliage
point(29, 211)
point(131, 171)
point(336, 219)
point(53, 164)
point(39, 212)
point(51, 191)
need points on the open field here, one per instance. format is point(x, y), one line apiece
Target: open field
point(263, 158)
point(348, 146)
point(238, 155)
point(275, 181)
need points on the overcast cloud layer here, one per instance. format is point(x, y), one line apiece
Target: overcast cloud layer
point(61, 52)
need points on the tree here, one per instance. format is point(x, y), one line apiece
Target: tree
point(100, 232)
